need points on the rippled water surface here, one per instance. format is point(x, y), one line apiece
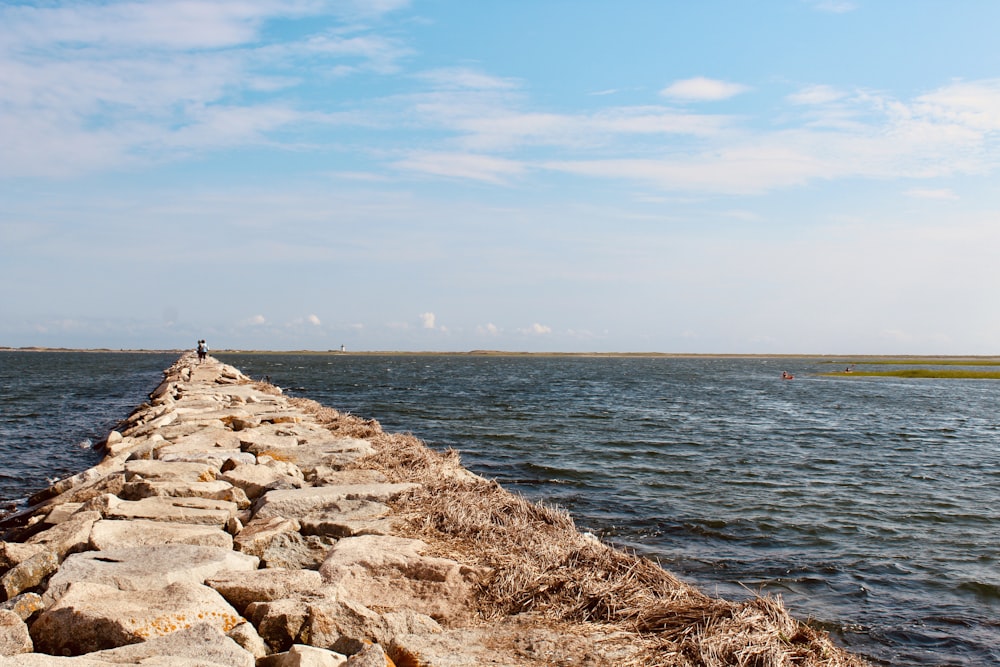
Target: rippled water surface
point(869, 504)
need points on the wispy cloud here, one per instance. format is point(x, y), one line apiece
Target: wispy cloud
point(463, 166)
point(103, 85)
point(702, 89)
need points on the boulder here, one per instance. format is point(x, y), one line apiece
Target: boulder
point(169, 471)
point(372, 655)
point(259, 533)
point(214, 490)
point(301, 655)
point(256, 480)
point(341, 625)
point(202, 511)
point(147, 567)
point(14, 637)
point(12, 553)
point(25, 605)
point(111, 534)
point(279, 622)
point(293, 551)
point(201, 642)
point(388, 573)
point(70, 536)
point(215, 458)
point(242, 588)
point(247, 636)
point(346, 518)
point(28, 574)
point(310, 500)
point(92, 617)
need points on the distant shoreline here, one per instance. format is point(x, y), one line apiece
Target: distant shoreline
point(859, 358)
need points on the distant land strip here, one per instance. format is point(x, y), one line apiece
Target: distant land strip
point(874, 359)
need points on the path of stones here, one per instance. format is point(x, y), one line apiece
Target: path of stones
point(221, 529)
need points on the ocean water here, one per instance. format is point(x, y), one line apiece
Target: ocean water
point(871, 505)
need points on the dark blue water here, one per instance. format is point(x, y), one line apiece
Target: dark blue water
point(869, 504)
point(55, 405)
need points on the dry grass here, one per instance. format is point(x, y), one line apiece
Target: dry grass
point(539, 563)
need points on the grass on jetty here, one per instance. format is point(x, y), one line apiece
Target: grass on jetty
point(542, 567)
point(929, 373)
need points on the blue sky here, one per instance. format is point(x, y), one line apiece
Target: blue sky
point(790, 176)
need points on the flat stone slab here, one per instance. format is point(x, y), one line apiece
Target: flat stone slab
point(148, 567)
point(200, 440)
point(347, 518)
point(202, 511)
point(257, 479)
point(315, 499)
point(213, 457)
point(111, 534)
point(92, 616)
point(242, 588)
point(169, 471)
point(202, 643)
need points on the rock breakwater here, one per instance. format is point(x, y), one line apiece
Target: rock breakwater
point(231, 525)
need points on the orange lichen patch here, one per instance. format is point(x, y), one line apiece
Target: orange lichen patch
point(284, 419)
point(168, 623)
point(277, 456)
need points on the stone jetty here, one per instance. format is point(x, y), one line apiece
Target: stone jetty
point(230, 525)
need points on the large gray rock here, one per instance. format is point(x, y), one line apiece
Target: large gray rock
point(346, 518)
point(12, 553)
point(111, 534)
point(389, 573)
point(202, 642)
point(312, 500)
point(28, 574)
point(247, 636)
point(309, 449)
point(279, 622)
point(257, 535)
point(301, 655)
point(147, 567)
point(14, 637)
point(213, 457)
point(258, 479)
point(202, 511)
point(92, 617)
point(214, 490)
point(344, 626)
point(70, 536)
point(296, 552)
point(25, 605)
point(242, 588)
point(169, 471)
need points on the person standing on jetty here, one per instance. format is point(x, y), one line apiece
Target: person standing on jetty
point(202, 350)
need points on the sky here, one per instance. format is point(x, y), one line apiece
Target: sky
point(787, 176)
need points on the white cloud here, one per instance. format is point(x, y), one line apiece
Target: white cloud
point(819, 94)
point(702, 89)
point(455, 78)
point(312, 319)
point(427, 320)
point(462, 165)
point(537, 329)
point(488, 329)
point(256, 320)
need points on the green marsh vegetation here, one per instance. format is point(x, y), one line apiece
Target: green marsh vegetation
point(964, 368)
